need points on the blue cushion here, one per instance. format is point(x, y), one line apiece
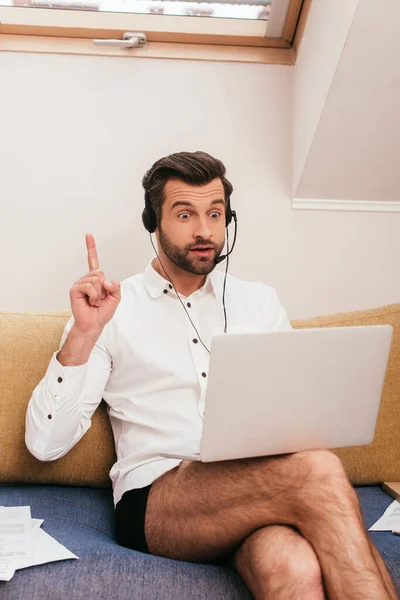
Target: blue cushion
point(83, 520)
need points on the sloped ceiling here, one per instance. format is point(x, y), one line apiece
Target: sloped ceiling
point(355, 149)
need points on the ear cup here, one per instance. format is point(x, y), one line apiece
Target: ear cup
point(148, 221)
point(148, 215)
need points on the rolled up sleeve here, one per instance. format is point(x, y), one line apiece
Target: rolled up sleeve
point(62, 404)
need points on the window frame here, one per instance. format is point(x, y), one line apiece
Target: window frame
point(200, 38)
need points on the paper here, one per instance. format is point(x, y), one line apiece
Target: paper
point(15, 538)
point(15, 532)
point(6, 570)
point(36, 522)
point(45, 549)
point(390, 520)
point(23, 542)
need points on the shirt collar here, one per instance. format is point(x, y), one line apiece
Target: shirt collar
point(156, 284)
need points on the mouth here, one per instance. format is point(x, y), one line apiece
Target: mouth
point(202, 251)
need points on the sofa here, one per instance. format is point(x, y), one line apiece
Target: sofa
point(74, 497)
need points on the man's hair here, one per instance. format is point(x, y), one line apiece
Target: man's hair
point(195, 168)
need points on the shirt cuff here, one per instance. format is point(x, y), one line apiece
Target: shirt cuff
point(60, 378)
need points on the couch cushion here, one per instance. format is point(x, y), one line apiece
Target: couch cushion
point(27, 341)
point(82, 520)
point(380, 460)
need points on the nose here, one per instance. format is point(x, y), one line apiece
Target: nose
point(202, 229)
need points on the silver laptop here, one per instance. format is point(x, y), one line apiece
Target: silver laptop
point(279, 392)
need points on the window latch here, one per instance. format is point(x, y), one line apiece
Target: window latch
point(129, 40)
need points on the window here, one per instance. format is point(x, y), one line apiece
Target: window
point(260, 30)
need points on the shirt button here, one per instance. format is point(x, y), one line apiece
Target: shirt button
point(49, 416)
point(59, 379)
point(170, 286)
point(165, 291)
point(204, 374)
point(188, 304)
point(195, 341)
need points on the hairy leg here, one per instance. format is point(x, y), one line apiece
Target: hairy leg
point(200, 512)
point(343, 545)
point(383, 571)
point(277, 562)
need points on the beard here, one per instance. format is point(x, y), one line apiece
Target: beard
point(185, 260)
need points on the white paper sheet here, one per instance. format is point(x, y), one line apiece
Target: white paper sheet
point(15, 532)
point(37, 522)
point(45, 549)
point(40, 547)
point(390, 520)
point(6, 570)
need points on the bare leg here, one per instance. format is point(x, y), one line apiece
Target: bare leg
point(277, 562)
point(200, 512)
point(348, 542)
point(264, 567)
point(383, 570)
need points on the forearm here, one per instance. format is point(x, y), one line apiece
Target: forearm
point(60, 409)
point(77, 348)
point(54, 414)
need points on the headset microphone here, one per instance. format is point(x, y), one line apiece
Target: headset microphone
point(223, 256)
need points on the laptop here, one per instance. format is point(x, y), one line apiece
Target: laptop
point(287, 391)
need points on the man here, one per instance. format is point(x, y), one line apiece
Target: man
point(290, 524)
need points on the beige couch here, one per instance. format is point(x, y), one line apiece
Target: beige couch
point(27, 341)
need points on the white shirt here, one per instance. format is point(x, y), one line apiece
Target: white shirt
point(151, 372)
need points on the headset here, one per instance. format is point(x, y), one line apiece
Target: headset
point(150, 223)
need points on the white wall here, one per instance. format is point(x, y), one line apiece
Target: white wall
point(79, 132)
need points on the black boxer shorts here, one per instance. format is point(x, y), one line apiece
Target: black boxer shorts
point(130, 514)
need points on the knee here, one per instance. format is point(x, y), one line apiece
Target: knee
point(285, 561)
point(321, 468)
point(302, 570)
point(324, 481)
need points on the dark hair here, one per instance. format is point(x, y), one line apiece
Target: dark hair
point(195, 168)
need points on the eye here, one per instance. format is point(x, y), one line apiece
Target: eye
point(216, 213)
point(185, 214)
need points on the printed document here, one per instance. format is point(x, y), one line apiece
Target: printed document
point(390, 520)
point(24, 544)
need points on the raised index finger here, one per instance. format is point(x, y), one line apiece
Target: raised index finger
point(93, 259)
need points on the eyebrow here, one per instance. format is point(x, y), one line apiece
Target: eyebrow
point(186, 203)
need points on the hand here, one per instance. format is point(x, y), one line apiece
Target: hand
point(94, 300)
